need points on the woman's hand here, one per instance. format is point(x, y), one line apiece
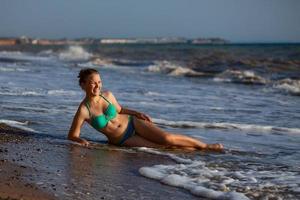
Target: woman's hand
point(143, 116)
point(84, 143)
point(80, 141)
point(136, 114)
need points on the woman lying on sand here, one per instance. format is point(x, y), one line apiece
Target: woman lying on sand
point(123, 127)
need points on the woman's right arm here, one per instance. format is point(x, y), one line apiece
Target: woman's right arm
point(74, 132)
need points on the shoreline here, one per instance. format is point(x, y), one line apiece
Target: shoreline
point(13, 183)
point(39, 168)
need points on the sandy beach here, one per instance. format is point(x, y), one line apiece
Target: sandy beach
point(42, 168)
point(249, 103)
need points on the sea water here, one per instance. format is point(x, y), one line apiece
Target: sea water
point(245, 97)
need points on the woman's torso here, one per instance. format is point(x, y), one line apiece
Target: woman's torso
point(102, 118)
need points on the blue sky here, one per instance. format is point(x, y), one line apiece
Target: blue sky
point(235, 20)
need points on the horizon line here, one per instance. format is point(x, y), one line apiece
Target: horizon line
point(154, 37)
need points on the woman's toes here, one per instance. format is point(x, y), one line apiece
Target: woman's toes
point(215, 147)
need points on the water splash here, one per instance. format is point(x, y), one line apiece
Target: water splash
point(74, 53)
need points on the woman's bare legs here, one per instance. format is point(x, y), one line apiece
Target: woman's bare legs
point(152, 133)
point(138, 141)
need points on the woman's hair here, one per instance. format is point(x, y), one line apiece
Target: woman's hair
point(84, 73)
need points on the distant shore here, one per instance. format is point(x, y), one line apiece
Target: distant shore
point(90, 41)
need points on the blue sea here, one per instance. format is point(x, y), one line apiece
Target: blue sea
point(246, 97)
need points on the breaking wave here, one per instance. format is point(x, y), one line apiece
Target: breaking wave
point(19, 125)
point(17, 56)
point(215, 180)
point(20, 93)
point(48, 52)
point(222, 125)
point(288, 85)
point(74, 53)
point(37, 92)
point(13, 69)
point(62, 92)
point(243, 77)
point(131, 63)
point(171, 69)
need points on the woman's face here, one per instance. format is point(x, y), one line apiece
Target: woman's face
point(93, 85)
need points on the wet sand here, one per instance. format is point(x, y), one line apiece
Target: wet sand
point(47, 168)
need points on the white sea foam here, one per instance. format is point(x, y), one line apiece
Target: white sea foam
point(13, 69)
point(246, 77)
point(21, 93)
point(74, 53)
point(101, 62)
point(289, 85)
point(223, 125)
point(172, 69)
point(10, 53)
point(16, 124)
point(153, 94)
point(193, 176)
point(17, 55)
point(86, 64)
point(30, 93)
point(109, 66)
point(48, 52)
point(62, 92)
point(168, 95)
point(214, 181)
point(38, 92)
point(158, 104)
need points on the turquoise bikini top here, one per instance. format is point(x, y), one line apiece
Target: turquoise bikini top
point(101, 121)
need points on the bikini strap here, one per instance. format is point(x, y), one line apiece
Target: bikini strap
point(87, 104)
point(105, 99)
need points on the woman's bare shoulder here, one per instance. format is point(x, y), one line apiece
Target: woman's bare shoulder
point(82, 109)
point(107, 94)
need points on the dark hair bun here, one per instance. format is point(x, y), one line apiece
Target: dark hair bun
point(84, 73)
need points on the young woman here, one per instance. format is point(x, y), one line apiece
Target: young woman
point(122, 126)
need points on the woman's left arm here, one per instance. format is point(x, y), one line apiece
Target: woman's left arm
point(122, 110)
point(135, 113)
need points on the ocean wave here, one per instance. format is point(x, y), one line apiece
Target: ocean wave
point(172, 69)
point(17, 124)
point(150, 104)
point(38, 109)
point(149, 93)
point(74, 53)
point(21, 93)
point(193, 176)
point(48, 52)
point(218, 180)
point(130, 63)
point(91, 64)
point(291, 86)
point(10, 53)
point(101, 61)
point(36, 92)
point(168, 95)
point(86, 65)
point(243, 77)
point(13, 68)
point(62, 92)
point(17, 56)
point(221, 125)
point(157, 104)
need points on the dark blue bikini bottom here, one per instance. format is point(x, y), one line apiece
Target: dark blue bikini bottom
point(129, 132)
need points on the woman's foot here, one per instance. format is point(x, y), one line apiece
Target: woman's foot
point(215, 147)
